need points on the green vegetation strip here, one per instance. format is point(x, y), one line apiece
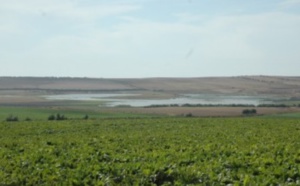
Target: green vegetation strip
point(161, 151)
point(32, 113)
point(285, 115)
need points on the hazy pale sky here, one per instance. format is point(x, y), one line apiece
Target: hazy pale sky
point(149, 38)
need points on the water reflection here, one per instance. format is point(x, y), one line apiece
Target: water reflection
point(112, 100)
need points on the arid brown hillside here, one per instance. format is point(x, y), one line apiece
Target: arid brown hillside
point(36, 83)
point(250, 85)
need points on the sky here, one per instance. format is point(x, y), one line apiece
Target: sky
point(149, 38)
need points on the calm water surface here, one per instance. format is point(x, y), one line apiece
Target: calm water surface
point(114, 99)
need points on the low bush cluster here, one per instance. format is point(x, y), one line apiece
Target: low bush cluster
point(249, 111)
point(57, 117)
point(11, 118)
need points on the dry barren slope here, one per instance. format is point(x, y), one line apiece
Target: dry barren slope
point(251, 85)
point(35, 83)
point(287, 86)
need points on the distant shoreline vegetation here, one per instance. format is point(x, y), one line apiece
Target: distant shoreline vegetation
point(221, 105)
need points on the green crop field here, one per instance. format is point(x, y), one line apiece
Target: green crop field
point(151, 151)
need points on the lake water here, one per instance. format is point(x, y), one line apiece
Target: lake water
point(112, 100)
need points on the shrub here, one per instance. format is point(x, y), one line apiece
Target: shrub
point(249, 111)
point(60, 117)
point(51, 117)
point(28, 119)
point(57, 117)
point(86, 117)
point(188, 115)
point(12, 118)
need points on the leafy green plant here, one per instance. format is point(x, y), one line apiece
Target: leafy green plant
point(151, 151)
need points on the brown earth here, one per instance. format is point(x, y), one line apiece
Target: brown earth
point(243, 85)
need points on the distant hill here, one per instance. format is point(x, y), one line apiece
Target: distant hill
point(249, 85)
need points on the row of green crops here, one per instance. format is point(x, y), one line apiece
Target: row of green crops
point(161, 151)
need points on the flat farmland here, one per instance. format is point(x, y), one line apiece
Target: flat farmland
point(151, 151)
point(96, 144)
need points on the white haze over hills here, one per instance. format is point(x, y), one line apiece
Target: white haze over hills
point(149, 38)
